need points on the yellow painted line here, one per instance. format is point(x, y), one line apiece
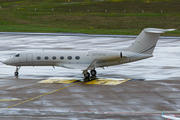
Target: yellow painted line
point(125, 80)
point(67, 81)
point(42, 95)
point(102, 81)
point(96, 81)
point(59, 81)
point(2, 100)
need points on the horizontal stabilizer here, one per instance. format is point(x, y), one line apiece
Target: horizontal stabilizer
point(156, 30)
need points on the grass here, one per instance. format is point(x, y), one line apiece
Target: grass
point(20, 16)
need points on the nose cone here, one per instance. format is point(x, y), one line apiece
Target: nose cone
point(5, 62)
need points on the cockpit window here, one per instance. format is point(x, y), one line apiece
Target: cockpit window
point(16, 55)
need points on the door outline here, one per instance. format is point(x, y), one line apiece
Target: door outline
point(29, 58)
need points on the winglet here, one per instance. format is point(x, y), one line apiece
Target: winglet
point(163, 113)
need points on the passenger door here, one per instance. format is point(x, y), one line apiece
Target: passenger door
point(29, 58)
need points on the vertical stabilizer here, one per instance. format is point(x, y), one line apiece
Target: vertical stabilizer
point(146, 41)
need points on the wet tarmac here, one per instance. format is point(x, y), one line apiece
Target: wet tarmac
point(142, 90)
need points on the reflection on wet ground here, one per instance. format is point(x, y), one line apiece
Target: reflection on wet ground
point(139, 90)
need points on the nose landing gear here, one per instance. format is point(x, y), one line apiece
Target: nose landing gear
point(16, 73)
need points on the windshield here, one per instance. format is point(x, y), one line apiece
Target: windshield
point(16, 55)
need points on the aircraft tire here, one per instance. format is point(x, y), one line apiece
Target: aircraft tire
point(87, 75)
point(93, 72)
point(16, 73)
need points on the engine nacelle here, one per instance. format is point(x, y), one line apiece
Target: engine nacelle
point(104, 54)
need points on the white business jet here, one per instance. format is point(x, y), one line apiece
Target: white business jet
point(142, 48)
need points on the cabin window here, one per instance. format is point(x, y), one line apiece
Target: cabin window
point(54, 57)
point(62, 57)
point(46, 58)
point(77, 57)
point(38, 57)
point(69, 57)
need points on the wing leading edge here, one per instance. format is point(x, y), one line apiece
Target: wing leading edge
point(81, 66)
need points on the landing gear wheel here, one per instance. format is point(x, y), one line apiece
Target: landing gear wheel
point(93, 72)
point(16, 73)
point(87, 75)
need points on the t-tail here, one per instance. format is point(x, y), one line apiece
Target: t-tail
point(146, 41)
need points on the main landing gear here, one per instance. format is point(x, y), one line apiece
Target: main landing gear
point(87, 74)
point(16, 73)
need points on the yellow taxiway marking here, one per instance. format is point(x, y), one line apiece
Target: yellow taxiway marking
point(10, 100)
point(42, 95)
point(57, 81)
point(102, 81)
point(96, 81)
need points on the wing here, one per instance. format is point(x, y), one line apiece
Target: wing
point(92, 66)
point(80, 66)
point(75, 66)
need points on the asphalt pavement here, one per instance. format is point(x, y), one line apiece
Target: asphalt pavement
point(138, 90)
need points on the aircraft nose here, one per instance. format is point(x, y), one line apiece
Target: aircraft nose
point(5, 61)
